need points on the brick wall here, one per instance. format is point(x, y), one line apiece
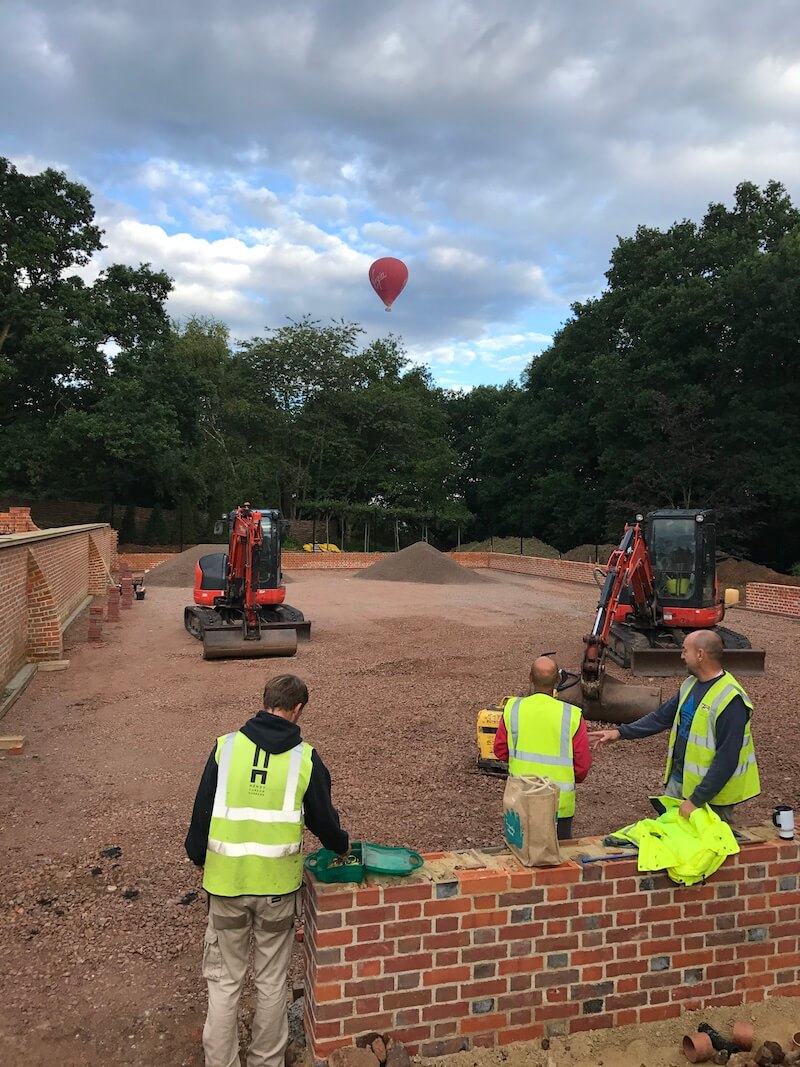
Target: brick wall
point(45, 575)
point(491, 952)
point(777, 599)
point(563, 569)
point(16, 520)
point(336, 561)
point(145, 561)
point(546, 568)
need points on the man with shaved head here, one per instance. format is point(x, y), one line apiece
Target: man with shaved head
point(542, 735)
point(711, 758)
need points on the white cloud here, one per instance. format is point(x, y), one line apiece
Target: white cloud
point(499, 151)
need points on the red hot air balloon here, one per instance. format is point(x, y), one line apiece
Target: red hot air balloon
point(388, 278)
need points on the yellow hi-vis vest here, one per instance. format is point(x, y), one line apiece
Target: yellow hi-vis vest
point(540, 731)
point(701, 744)
point(256, 833)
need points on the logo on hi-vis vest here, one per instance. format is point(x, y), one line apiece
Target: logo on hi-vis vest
point(258, 775)
point(512, 828)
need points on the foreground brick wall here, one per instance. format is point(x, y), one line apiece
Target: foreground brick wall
point(45, 575)
point(453, 958)
point(777, 599)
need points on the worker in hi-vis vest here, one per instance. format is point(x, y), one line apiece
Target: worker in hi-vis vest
point(711, 759)
point(542, 735)
point(261, 785)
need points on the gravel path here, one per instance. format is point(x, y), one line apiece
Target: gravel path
point(92, 975)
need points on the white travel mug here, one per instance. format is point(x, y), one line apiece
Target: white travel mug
point(783, 819)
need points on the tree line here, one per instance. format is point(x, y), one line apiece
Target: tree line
point(676, 386)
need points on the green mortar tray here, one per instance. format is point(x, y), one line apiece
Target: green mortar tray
point(319, 863)
point(376, 859)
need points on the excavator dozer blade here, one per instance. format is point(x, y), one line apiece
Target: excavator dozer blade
point(665, 662)
point(227, 643)
point(618, 702)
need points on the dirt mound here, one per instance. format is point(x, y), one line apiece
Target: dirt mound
point(736, 573)
point(531, 546)
point(178, 572)
point(420, 562)
point(589, 553)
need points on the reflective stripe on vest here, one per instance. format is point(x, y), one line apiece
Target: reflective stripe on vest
point(256, 850)
point(701, 743)
point(554, 730)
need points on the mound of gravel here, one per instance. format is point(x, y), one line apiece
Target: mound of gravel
point(423, 563)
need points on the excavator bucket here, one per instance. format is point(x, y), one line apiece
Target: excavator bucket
point(618, 702)
point(665, 662)
point(227, 642)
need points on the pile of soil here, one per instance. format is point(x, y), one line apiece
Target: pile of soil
point(420, 562)
point(178, 572)
point(531, 546)
point(736, 573)
point(590, 553)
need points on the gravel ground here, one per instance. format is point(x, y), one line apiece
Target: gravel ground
point(93, 975)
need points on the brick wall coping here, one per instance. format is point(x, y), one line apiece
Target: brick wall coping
point(48, 535)
point(500, 862)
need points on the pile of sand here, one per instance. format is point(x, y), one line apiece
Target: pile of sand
point(420, 562)
point(590, 553)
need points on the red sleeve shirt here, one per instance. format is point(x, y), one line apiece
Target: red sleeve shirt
point(581, 753)
point(501, 742)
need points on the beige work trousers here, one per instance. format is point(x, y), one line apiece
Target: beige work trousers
point(226, 952)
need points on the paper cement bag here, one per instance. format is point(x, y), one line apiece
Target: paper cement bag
point(530, 810)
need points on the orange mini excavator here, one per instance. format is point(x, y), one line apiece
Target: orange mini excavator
point(239, 610)
point(659, 585)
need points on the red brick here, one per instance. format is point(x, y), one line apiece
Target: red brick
point(656, 1014)
point(444, 975)
point(407, 928)
point(532, 1032)
point(482, 881)
point(483, 1023)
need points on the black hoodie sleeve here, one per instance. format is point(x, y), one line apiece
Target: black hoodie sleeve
point(322, 818)
point(197, 838)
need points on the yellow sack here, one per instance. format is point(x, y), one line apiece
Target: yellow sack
point(689, 850)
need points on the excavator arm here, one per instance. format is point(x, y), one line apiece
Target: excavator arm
point(605, 698)
point(629, 566)
point(244, 556)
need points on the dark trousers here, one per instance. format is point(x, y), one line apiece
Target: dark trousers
point(564, 829)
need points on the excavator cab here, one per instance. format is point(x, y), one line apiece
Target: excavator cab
point(683, 550)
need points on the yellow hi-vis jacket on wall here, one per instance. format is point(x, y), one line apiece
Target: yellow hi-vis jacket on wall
point(689, 850)
point(256, 833)
point(701, 743)
point(540, 731)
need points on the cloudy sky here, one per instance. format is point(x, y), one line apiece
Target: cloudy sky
point(264, 152)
